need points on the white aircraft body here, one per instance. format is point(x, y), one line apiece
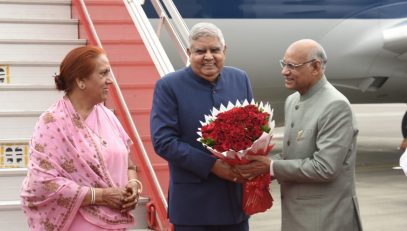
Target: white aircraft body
point(365, 40)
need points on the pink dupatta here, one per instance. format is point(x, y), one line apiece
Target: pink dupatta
point(67, 156)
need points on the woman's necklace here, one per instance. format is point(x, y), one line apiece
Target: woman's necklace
point(101, 140)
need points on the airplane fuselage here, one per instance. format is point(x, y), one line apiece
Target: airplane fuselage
point(366, 43)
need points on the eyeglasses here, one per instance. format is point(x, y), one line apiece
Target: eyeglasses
point(292, 66)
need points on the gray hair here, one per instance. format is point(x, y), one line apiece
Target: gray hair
point(205, 29)
point(319, 53)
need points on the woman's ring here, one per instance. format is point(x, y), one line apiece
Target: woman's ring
point(235, 179)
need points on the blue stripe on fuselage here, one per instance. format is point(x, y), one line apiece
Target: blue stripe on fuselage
point(288, 9)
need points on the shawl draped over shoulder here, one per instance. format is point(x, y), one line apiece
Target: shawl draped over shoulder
point(67, 156)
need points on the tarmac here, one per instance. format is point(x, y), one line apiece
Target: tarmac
point(380, 186)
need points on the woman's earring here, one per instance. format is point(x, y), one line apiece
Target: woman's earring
point(82, 86)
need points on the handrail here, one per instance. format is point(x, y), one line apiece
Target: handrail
point(158, 195)
point(95, 40)
point(179, 24)
point(179, 21)
point(150, 39)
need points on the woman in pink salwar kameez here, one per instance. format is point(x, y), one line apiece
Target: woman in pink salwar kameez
point(80, 175)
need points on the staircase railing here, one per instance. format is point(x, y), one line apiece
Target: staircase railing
point(149, 37)
point(175, 26)
point(123, 112)
point(178, 20)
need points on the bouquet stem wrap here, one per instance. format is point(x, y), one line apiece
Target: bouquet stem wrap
point(215, 133)
point(256, 192)
point(256, 195)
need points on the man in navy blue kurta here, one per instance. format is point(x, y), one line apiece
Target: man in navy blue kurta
point(204, 192)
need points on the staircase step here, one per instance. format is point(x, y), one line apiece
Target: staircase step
point(140, 214)
point(125, 51)
point(11, 180)
point(34, 72)
point(143, 72)
point(12, 216)
point(141, 93)
point(13, 97)
point(18, 124)
point(37, 49)
point(52, 9)
point(38, 28)
point(97, 9)
point(123, 30)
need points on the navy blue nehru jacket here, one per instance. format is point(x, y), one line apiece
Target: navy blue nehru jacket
point(181, 99)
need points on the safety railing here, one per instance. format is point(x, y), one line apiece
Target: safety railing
point(174, 24)
point(149, 37)
point(178, 20)
point(123, 112)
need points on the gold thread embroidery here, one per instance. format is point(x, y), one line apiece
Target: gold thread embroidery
point(101, 161)
point(77, 121)
point(71, 204)
point(51, 186)
point(48, 118)
point(64, 201)
point(68, 166)
point(48, 225)
point(121, 219)
point(95, 168)
point(31, 206)
point(39, 148)
point(45, 164)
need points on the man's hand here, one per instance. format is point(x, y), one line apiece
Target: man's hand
point(258, 165)
point(227, 172)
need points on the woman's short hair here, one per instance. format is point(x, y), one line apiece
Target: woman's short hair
point(205, 29)
point(78, 63)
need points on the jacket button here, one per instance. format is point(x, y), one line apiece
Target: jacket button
point(292, 124)
point(296, 107)
point(288, 143)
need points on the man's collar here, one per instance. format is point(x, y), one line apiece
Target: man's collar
point(315, 88)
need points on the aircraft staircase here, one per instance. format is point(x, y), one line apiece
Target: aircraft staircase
point(35, 35)
point(33, 40)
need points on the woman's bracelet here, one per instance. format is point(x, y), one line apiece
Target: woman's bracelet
point(140, 185)
point(93, 195)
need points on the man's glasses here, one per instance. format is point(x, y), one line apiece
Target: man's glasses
point(292, 66)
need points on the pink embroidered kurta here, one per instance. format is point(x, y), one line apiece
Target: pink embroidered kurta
point(67, 156)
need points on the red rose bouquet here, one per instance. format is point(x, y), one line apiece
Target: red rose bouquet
point(235, 131)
